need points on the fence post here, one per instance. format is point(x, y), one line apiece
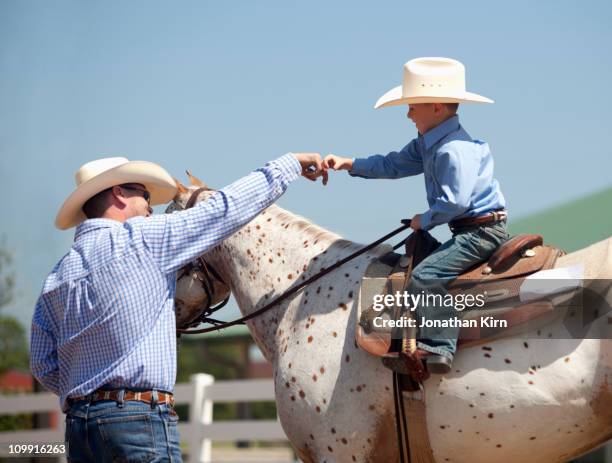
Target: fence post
point(200, 415)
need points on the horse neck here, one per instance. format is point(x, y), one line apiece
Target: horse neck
point(273, 253)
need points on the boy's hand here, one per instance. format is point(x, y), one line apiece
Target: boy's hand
point(415, 223)
point(312, 166)
point(332, 161)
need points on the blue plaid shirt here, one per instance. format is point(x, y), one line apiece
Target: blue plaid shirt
point(105, 316)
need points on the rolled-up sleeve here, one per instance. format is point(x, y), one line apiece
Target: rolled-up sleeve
point(177, 239)
point(43, 349)
point(456, 180)
point(396, 164)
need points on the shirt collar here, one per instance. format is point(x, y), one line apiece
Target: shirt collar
point(440, 131)
point(90, 225)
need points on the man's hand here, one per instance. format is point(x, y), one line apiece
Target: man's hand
point(312, 166)
point(415, 223)
point(332, 161)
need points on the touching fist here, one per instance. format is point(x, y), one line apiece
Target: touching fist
point(332, 161)
point(312, 166)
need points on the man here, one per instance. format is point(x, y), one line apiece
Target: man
point(103, 331)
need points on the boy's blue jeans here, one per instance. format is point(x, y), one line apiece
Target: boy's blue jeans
point(464, 250)
point(106, 432)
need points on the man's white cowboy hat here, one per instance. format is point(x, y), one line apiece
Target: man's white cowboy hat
point(431, 80)
point(98, 175)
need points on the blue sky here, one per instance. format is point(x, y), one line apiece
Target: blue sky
point(221, 87)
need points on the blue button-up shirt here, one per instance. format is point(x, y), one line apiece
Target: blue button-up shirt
point(458, 172)
point(106, 312)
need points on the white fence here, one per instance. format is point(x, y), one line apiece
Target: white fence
point(199, 432)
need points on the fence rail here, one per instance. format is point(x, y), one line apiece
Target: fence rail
point(199, 395)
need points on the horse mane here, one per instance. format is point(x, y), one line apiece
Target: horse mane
point(314, 232)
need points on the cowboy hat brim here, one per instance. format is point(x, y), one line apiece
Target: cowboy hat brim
point(156, 180)
point(394, 97)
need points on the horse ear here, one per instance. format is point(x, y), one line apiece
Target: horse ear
point(195, 181)
point(181, 188)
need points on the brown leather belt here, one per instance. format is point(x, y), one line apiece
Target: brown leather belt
point(141, 396)
point(478, 221)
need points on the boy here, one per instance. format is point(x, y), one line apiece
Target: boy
point(461, 190)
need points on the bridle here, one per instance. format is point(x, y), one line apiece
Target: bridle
point(208, 269)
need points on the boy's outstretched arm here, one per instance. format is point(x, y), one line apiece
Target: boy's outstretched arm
point(335, 162)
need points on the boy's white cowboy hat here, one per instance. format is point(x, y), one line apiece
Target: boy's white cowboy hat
point(431, 80)
point(98, 175)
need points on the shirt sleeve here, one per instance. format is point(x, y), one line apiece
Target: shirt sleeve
point(396, 164)
point(178, 238)
point(456, 176)
point(43, 349)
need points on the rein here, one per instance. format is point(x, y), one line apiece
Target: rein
point(290, 291)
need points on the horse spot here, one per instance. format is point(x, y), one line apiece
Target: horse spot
point(312, 320)
point(487, 348)
point(358, 388)
point(482, 394)
point(532, 438)
point(333, 430)
point(278, 279)
point(331, 288)
point(269, 219)
point(530, 382)
point(474, 417)
point(307, 325)
point(314, 377)
point(471, 405)
point(258, 227)
point(346, 275)
point(302, 394)
point(498, 446)
point(343, 306)
point(353, 457)
point(249, 252)
point(567, 359)
point(371, 407)
point(350, 294)
point(287, 384)
point(319, 290)
point(490, 415)
point(290, 365)
point(278, 254)
point(347, 358)
point(270, 260)
point(335, 334)
point(344, 441)
point(318, 409)
point(290, 277)
point(293, 398)
point(286, 226)
point(325, 401)
point(512, 406)
point(312, 437)
point(442, 427)
point(310, 338)
point(369, 440)
point(293, 379)
point(322, 370)
point(387, 388)
point(487, 355)
point(330, 449)
point(304, 268)
point(507, 360)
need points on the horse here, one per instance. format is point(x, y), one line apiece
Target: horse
point(538, 397)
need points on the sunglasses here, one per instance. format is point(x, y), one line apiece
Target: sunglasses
point(145, 194)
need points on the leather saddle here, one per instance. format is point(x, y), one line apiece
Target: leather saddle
point(499, 279)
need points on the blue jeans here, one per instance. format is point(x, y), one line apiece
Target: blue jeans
point(463, 251)
point(105, 431)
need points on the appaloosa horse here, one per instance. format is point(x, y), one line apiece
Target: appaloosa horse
point(537, 398)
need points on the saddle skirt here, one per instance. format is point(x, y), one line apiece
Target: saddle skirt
point(497, 281)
